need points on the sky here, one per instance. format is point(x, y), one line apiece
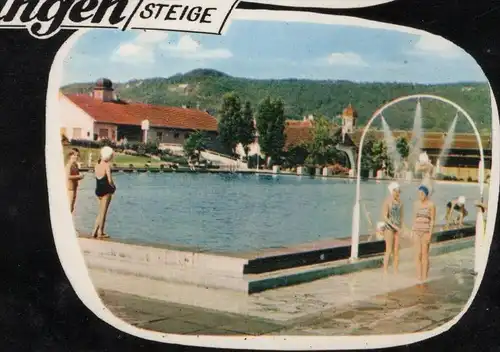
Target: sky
point(271, 49)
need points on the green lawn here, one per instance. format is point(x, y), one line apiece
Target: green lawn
point(122, 160)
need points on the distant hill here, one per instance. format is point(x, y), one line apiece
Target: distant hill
point(205, 88)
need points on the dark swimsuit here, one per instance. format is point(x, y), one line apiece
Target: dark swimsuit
point(456, 207)
point(394, 216)
point(103, 187)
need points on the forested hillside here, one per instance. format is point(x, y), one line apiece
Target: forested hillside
point(204, 88)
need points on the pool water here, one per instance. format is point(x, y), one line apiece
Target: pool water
point(244, 212)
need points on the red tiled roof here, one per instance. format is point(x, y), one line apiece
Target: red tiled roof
point(298, 132)
point(433, 140)
point(296, 135)
point(299, 123)
point(122, 113)
point(349, 111)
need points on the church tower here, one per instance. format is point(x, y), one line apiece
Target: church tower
point(349, 116)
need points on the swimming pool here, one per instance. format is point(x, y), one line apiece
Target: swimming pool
point(243, 212)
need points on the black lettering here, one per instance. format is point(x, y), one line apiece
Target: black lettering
point(76, 13)
point(147, 9)
point(194, 14)
point(181, 17)
point(14, 8)
point(160, 9)
point(117, 14)
point(55, 20)
point(171, 11)
point(205, 17)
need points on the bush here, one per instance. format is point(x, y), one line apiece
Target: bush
point(174, 159)
point(152, 148)
point(106, 143)
point(143, 148)
point(85, 143)
point(338, 169)
point(130, 152)
point(252, 162)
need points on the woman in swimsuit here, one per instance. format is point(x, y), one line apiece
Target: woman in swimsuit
point(423, 224)
point(105, 188)
point(73, 176)
point(393, 219)
point(456, 212)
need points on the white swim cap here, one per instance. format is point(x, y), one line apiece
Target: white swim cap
point(393, 186)
point(423, 158)
point(461, 200)
point(106, 153)
point(380, 225)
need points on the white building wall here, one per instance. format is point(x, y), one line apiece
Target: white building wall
point(74, 120)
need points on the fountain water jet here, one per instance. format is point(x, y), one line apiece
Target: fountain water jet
point(443, 155)
point(355, 234)
point(391, 145)
point(416, 136)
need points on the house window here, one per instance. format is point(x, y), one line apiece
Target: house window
point(77, 133)
point(176, 135)
point(88, 134)
point(103, 133)
point(159, 136)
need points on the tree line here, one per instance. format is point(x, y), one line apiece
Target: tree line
point(240, 123)
point(205, 88)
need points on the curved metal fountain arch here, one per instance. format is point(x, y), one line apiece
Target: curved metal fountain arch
point(356, 211)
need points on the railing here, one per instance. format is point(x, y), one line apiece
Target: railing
point(221, 155)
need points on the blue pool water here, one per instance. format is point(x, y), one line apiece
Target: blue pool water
point(236, 213)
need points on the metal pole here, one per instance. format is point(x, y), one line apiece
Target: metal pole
point(356, 210)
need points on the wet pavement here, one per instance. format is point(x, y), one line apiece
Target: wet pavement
point(361, 303)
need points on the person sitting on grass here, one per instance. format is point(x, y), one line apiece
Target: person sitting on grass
point(456, 212)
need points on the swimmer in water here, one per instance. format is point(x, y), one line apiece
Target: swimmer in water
point(392, 214)
point(424, 218)
point(456, 211)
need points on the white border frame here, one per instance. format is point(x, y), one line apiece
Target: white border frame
point(72, 259)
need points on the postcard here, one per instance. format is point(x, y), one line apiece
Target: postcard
point(228, 177)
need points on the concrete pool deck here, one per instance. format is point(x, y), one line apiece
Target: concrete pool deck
point(246, 272)
point(359, 303)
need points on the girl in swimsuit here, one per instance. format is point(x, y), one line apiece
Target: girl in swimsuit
point(105, 188)
point(73, 176)
point(423, 225)
point(456, 212)
point(393, 219)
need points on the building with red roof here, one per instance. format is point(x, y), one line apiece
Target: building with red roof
point(100, 115)
point(463, 156)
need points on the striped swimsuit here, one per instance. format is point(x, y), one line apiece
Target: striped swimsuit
point(423, 218)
